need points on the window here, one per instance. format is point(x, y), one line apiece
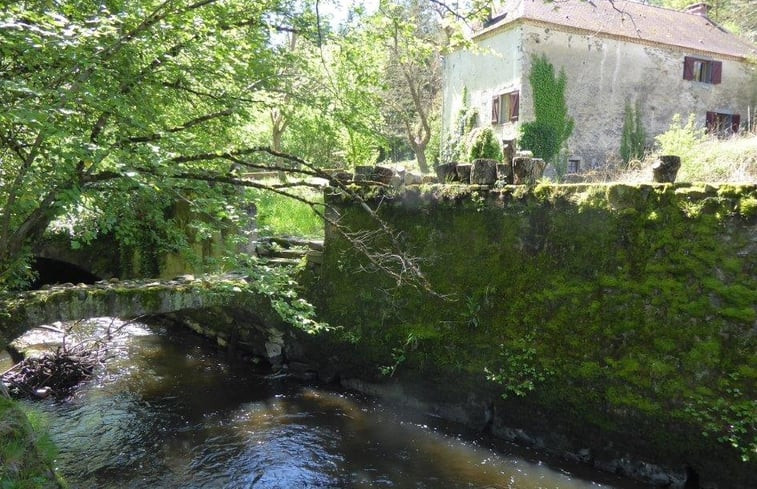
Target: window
point(574, 164)
point(505, 108)
point(722, 125)
point(702, 70)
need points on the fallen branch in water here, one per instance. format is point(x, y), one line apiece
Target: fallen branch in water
point(58, 373)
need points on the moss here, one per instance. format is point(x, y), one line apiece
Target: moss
point(748, 207)
point(642, 292)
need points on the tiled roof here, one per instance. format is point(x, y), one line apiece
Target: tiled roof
point(627, 19)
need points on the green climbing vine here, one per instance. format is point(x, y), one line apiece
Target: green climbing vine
point(552, 125)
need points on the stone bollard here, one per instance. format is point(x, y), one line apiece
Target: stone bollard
point(446, 173)
point(382, 174)
point(342, 176)
point(363, 173)
point(665, 169)
point(505, 172)
point(483, 172)
point(521, 169)
point(537, 169)
point(463, 172)
point(508, 151)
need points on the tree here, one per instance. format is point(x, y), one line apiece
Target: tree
point(552, 125)
point(408, 32)
point(99, 104)
point(114, 113)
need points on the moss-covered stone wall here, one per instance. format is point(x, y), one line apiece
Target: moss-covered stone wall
point(616, 318)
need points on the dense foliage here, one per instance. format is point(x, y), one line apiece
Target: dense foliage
point(114, 111)
point(103, 101)
point(539, 138)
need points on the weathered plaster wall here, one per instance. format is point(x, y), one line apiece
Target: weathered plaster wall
point(618, 320)
point(604, 73)
point(493, 69)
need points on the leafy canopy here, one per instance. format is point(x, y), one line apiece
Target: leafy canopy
point(116, 109)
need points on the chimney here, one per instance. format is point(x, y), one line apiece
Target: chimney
point(698, 9)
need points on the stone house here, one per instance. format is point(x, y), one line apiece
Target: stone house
point(665, 62)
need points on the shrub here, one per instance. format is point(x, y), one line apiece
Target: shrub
point(681, 140)
point(703, 159)
point(633, 140)
point(485, 145)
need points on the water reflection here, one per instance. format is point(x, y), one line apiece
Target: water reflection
point(170, 412)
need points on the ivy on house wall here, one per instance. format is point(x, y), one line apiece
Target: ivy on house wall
point(552, 125)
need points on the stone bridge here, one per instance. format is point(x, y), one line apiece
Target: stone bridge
point(125, 299)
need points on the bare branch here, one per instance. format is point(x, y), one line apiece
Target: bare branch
point(183, 127)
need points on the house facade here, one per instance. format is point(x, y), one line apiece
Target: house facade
point(662, 61)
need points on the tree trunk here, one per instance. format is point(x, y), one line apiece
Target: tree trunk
point(420, 156)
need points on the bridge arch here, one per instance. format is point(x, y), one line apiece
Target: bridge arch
point(51, 271)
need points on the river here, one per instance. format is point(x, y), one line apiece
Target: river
point(172, 411)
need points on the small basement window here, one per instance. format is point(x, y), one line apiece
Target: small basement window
point(702, 70)
point(574, 164)
point(505, 107)
point(722, 125)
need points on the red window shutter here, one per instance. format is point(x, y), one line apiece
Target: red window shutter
point(735, 123)
point(688, 68)
point(495, 110)
point(717, 71)
point(514, 106)
point(711, 121)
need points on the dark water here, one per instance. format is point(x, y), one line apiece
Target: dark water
point(171, 412)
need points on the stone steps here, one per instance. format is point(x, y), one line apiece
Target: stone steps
point(284, 250)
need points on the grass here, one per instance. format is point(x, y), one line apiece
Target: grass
point(283, 216)
point(711, 160)
point(728, 160)
point(26, 450)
